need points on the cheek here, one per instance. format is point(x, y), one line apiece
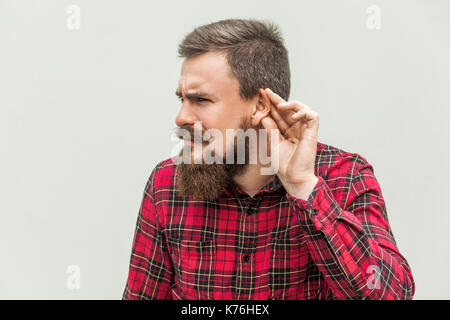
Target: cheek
point(210, 118)
point(222, 116)
point(219, 144)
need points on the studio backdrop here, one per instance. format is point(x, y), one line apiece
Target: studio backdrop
point(87, 109)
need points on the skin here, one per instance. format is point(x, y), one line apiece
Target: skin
point(210, 94)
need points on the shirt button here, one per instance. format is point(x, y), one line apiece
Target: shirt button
point(250, 211)
point(246, 258)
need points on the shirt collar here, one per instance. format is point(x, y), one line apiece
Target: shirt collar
point(272, 186)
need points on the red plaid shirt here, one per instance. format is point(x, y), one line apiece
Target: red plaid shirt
point(336, 245)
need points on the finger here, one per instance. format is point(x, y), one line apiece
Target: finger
point(312, 119)
point(274, 98)
point(269, 124)
point(282, 124)
point(285, 114)
point(307, 117)
point(286, 111)
point(298, 115)
point(293, 105)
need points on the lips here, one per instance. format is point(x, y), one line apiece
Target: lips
point(192, 142)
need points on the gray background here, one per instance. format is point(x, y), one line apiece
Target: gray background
point(86, 114)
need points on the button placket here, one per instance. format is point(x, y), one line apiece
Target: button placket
point(252, 207)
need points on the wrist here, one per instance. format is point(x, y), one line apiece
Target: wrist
point(303, 189)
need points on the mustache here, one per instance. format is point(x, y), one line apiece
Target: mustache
point(189, 133)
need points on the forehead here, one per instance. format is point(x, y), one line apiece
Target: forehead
point(209, 72)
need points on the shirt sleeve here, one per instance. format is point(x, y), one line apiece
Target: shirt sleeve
point(150, 272)
point(353, 246)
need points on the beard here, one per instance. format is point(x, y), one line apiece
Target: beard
point(208, 181)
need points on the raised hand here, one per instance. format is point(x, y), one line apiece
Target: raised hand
point(298, 128)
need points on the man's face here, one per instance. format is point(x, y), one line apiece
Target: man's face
point(210, 94)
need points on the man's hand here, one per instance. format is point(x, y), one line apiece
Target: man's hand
point(299, 127)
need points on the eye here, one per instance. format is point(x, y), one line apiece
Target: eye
point(181, 98)
point(202, 100)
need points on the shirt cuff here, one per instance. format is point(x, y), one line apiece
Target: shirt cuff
point(320, 210)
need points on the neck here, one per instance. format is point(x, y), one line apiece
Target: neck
point(251, 180)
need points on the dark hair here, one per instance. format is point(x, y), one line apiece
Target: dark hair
point(255, 52)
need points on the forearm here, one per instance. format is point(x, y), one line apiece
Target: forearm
point(356, 261)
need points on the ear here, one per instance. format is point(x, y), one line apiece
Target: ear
point(261, 109)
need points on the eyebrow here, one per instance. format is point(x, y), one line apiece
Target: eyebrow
point(196, 95)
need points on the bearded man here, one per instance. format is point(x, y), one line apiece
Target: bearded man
point(315, 228)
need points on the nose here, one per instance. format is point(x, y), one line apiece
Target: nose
point(185, 117)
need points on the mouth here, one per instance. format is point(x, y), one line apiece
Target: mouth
point(192, 142)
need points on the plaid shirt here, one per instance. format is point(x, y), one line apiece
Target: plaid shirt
point(336, 245)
